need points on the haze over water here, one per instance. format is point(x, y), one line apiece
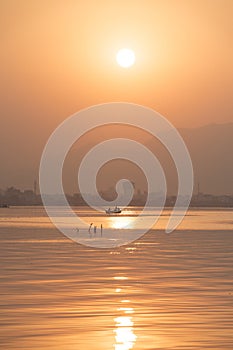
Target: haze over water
point(160, 292)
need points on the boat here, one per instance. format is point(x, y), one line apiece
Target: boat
point(116, 210)
point(4, 206)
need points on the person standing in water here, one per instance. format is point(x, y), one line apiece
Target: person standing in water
point(89, 230)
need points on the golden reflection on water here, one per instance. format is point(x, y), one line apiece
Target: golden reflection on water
point(125, 337)
point(124, 333)
point(120, 278)
point(127, 310)
point(56, 296)
point(121, 222)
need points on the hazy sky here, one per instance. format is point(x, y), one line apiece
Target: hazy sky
point(59, 56)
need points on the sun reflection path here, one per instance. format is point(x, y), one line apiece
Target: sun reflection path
point(124, 329)
point(125, 337)
point(122, 222)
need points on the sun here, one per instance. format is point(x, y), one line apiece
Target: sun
point(125, 58)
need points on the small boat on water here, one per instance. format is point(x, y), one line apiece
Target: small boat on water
point(116, 210)
point(4, 206)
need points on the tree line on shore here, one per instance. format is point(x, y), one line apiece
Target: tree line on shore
point(16, 197)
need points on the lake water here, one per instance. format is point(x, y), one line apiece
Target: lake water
point(166, 292)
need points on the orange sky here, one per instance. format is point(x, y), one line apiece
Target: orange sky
point(59, 56)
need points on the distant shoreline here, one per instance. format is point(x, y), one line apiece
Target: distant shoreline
point(201, 207)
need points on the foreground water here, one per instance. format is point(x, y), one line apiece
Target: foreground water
point(160, 292)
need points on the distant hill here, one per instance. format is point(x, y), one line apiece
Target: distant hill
point(210, 147)
point(211, 150)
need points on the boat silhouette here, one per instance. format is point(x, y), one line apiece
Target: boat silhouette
point(116, 210)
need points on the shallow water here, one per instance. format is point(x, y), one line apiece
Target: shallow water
point(160, 292)
point(196, 219)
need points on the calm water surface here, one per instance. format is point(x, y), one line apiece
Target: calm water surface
point(160, 292)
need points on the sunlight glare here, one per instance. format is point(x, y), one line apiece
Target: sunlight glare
point(125, 58)
point(125, 337)
point(121, 222)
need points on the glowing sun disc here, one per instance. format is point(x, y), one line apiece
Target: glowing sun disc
point(125, 58)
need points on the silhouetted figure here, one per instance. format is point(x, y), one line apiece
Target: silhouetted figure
point(89, 230)
point(95, 229)
point(101, 230)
